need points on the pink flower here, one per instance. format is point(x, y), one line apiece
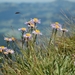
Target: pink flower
point(7, 39)
point(27, 36)
point(28, 23)
point(37, 32)
point(35, 20)
point(22, 29)
point(7, 51)
point(10, 51)
point(64, 30)
point(31, 25)
point(56, 25)
point(3, 48)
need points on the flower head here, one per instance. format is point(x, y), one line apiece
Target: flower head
point(35, 20)
point(22, 29)
point(13, 39)
point(64, 29)
point(29, 23)
point(10, 51)
point(27, 35)
point(7, 39)
point(37, 32)
point(3, 48)
point(56, 25)
point(7, 51)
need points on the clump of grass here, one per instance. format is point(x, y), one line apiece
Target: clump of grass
point(29, 56)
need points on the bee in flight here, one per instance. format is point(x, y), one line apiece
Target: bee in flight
point(17, 12)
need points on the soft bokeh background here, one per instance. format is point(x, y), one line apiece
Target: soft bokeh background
point(48, 11)
point(32, 1)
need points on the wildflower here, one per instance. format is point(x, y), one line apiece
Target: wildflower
point(7, 39)
point(10, 51)
point(56, 25)
point(13, 39)
point(64, 30)
point(3, 48)
point(0, 50)
point(37, 32)
point(29, 23)
point(35, 20)
point(5, 53)
point(27, 35)
point(22, 29)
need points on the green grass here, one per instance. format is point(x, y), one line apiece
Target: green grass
point(54, 56)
